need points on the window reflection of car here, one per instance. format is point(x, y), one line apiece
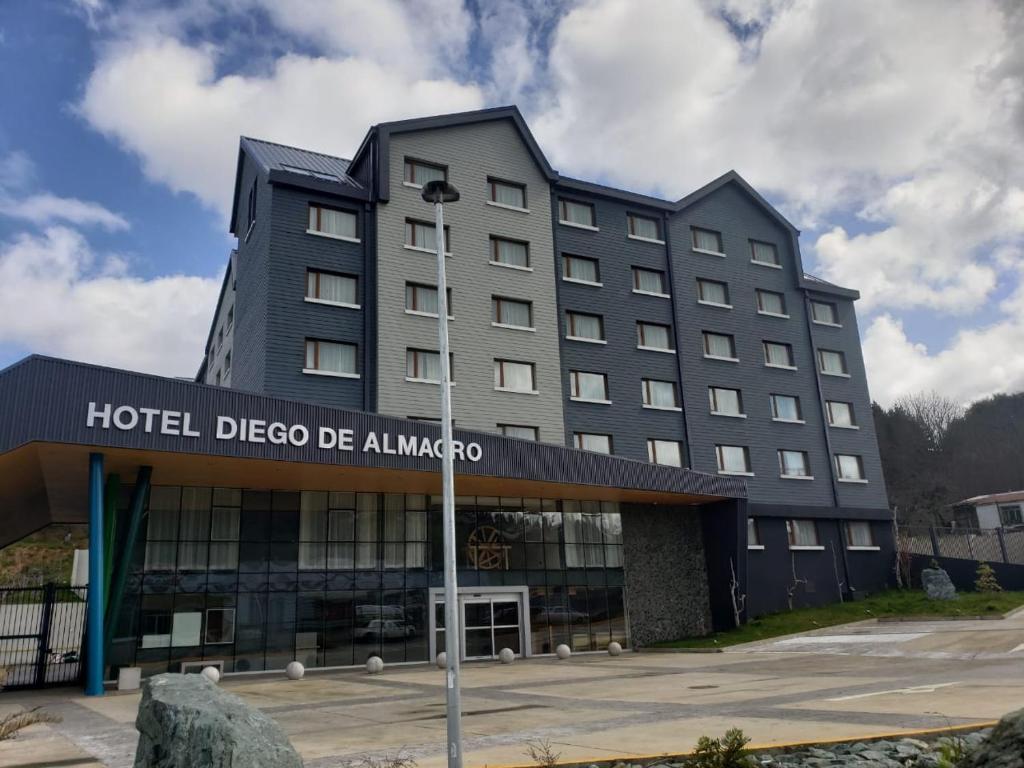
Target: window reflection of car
point(387, 629)
point(559, 614)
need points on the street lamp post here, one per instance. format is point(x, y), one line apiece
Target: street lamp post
point(440, 192)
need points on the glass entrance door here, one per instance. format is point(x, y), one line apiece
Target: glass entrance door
point(489, 623)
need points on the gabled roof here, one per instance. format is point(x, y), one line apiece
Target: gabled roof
point(993, 498)
point(731, 177)
point(383, 132)
point(292, 165)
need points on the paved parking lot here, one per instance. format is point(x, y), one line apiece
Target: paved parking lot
point(843, 682)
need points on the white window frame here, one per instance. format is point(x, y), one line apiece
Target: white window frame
point(775, 411)
point(837, 463)
point(806, 465)
point(720, 463)
point(849, 407)
point(713, 402)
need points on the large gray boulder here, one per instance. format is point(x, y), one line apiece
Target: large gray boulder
point(185, 721)
point(937, 584)
point(1004, 748)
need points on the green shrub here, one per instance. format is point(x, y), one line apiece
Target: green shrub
point(727, 752)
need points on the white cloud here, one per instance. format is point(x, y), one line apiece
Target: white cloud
point(977, 363)
point(45, 208)
point(58, 297)
point(165, 102)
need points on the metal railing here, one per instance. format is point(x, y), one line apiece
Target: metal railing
point(991, 545)
point(41, 631)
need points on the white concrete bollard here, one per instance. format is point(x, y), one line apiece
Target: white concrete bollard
point(374, 665)
point(441, 660)
point(563, 652)
point(614, 649)
point(294, 670)
point(129, 678)
point(506, 655)
point(212, 674)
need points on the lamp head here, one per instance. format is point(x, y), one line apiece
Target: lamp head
point(439, 191)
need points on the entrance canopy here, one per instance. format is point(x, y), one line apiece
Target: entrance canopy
point(56, 412)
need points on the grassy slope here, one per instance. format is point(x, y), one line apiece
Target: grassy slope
point(43, 556)
point(886, 604)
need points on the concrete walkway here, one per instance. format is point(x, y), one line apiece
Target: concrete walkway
point(839, 683)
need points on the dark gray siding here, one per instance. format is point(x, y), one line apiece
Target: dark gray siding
point(861, 441)
point(629, 423)
point(249, 342)
point(733, 213)
point(291, 319)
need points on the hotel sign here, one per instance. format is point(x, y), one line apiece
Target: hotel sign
point(128, 418)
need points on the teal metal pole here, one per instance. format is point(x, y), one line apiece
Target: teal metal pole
point(94, 619)
point(123, 564)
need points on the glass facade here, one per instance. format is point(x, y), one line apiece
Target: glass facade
point(259, 578)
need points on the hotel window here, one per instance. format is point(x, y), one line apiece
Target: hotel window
point(778, 355)
point(764, 253)
point(331, 288)
point(713, 292)
point(220, 338)
point(720, 346)
point(227, 362)
point(507, 193)
point(250, 216)
point(649, 281)
point(654, 336)
point(840, 414)
point(331, 357)
point(510, 312)
point(771, 303)
point(514, 376)
point(753, 534)
point(331, 221)
point(220, 626)
point(419, 173)
point(643, 227)
point(849, 467)
point(586, 441)
point(518, 430)
point(572, 212)
point(231, 319)
point(1010, 514)
point(419, 234)
point(794, 464)
point(660, 394)
point(824, 313)
point(224, 526)
point(423, 298)
point(733, 459)
point(665, 452)
point(802, 533)
point(592, 387)
point(832, 363)
point(216, 378)
point(786, 408)
point(708, 241)
point(858, 534)
point(725, 401)
point(584, 327)
point(580, 269)
point(510, 253)
point(425, 365)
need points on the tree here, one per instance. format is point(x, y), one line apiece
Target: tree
point(986, 581)
point(933, 412)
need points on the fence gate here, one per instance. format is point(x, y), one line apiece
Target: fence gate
point(41, 631)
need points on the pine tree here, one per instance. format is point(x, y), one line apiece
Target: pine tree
point(986, 581)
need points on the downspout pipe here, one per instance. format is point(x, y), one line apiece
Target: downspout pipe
point(678, 335)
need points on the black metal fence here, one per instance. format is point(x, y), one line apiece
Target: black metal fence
point(991, 545)
point(41, 631)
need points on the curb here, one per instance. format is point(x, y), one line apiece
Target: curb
point(902, 619)
point(679, 650)
point(631, 758)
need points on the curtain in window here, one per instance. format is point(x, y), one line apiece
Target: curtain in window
point(423, 365)
point(394, 530)
point(832, 362)
point(839, 414)
point(518, 376)
point(726, 401)
point(649, 281)
point(794, 463)
point(654, 336)
point(803, 533)
point(596, 443)
point(312, 529)
point(714, 292)
point(366, 531)
point(337, 288)
point(511, 253)
point(339, 358)
point(733, 458)
point(706, 241)
point(776, 354)
point(859, 534)
point(161, 532)
point(224, 539)
point(785, 408)
point(340, 534)
point(509, 195)
point(514, 313)
point(337, 222)
point(718, 345)
point(765, 253)
point(664, 452)
point(580, 269)
point(578, 213)
point(645, 228)
point(572, 525)
point(421, 235)
point(591, 386)
point(771, 302)
point(849, 467)
point(421, 174)
point(585, 326)
point(662, 394)
point(416, 538)
point(422, 299)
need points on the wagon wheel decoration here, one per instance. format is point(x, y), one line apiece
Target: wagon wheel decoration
point(486, 550)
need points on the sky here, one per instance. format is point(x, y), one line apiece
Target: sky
point(891, 134)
